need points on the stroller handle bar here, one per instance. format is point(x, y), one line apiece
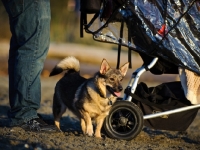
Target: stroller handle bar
point(136, 76)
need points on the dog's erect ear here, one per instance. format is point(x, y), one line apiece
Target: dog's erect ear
point(124, 68)
point(104, 67)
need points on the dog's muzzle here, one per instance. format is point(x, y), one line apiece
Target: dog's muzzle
point(113, 92)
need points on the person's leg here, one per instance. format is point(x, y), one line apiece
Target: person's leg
point(30, 28)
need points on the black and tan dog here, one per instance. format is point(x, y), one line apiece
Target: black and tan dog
point(89, 99)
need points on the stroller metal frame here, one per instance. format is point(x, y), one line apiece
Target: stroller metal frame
point(133, 84)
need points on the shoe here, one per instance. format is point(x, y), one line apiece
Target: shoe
point(38, 125)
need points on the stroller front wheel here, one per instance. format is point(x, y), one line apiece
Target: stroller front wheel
point(125, 121)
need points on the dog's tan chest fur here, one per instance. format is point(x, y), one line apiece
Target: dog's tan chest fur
point(98, 106)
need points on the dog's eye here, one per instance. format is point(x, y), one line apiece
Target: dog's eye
point(120, 79)
point(112, 79)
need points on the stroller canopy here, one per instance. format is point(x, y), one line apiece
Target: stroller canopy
point(168, 29)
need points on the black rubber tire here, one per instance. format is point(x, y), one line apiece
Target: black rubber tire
point(125, 121)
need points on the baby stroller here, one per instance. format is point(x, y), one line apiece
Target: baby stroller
point(166, 34)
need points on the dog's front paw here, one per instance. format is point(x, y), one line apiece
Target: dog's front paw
point(98, 136)
point(90, 131)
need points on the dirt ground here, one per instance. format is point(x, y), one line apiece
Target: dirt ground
point(72, 138)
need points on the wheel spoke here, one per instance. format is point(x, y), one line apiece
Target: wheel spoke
point(128, 127)
point(115, 123)
point(130, 123)
point(128, 114)
point(120, 113)
point(115, 119)
point(117, 126)
point(124, 128)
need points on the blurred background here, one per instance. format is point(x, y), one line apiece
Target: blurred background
point(65, 16)
point(66, 41)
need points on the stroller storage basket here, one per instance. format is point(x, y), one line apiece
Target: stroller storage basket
point(166, 96)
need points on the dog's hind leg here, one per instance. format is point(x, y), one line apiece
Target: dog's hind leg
point(58, 112)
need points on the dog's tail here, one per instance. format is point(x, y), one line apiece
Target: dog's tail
point(69, 63)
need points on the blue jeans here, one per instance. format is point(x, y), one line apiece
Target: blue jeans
point(29, 44)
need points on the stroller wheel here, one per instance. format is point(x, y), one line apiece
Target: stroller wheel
point(125, 121)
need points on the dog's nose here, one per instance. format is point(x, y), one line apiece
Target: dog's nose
point(120, 88)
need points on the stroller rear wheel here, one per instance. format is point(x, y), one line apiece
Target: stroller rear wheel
point(125, 121)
